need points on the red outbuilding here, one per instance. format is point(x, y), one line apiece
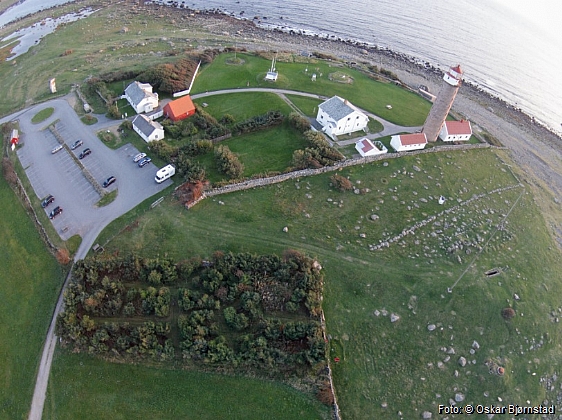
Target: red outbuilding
point(179, 109)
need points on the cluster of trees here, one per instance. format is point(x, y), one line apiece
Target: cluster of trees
point(228, 309)
point(228, 163)
point(319, 153)
point(170, 77)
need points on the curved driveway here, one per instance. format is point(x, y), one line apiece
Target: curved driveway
point(58, 175)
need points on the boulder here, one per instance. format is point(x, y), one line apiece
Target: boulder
point(394, 317)
point(462, 361)
point(431, 327)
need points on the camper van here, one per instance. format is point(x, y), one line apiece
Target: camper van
point(164, 173)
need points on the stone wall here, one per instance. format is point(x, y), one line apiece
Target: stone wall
point(259, 182)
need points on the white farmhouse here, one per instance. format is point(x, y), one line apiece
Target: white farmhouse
point(338, 116)
point(408, 142)
point(456, 131)
point(366, 147)
point(146, 128)
point(141, 97)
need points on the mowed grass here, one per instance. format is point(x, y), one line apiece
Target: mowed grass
point(408, 109)
point(401, 364)
point(87, 388)
point(243, 105)
point(30, 280)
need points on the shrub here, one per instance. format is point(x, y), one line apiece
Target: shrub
point(341, 182)
point(299, 122)
point(508, 313)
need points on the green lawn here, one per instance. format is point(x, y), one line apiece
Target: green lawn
point(42, 115)
point(29, 284)
point(86, 388)
point(243, 105)
point(384, 362)
point(309, 106)
point(407, 108)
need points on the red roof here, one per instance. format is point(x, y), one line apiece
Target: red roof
point(455, 128)
point(366, 145)
point(411, 139)
point(457, 69)
point(180, 108)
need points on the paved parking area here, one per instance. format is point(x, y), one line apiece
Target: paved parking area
point(60, 175)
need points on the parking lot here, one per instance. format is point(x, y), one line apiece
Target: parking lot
point(59, 174)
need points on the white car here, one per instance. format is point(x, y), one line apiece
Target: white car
point(57, 149)
point(139, 157)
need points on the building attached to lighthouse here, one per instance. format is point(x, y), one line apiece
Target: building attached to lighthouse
point(443, 103)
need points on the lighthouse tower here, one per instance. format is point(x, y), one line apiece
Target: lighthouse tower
point(443, 103)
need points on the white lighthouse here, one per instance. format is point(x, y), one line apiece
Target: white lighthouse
point(452, 80)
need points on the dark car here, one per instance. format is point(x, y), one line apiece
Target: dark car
point(84, 153)
point(47, 201)
point(144, 161)
point(56, 211)
point(109, 181)
point(76, 144)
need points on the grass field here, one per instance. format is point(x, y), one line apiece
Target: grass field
point(407, 108)
point(400, 364)
point(82, 387)
point(29, 283)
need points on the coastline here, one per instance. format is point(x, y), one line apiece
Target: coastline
point(534, 148)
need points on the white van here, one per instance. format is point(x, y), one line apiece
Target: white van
point(164, 173)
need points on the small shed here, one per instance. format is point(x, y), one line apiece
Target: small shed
point(179, 109)
point(408, 142)
point(366, 147)
point(456, 131)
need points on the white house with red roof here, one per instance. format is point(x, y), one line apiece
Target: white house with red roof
point(338, 116)
point(366, 147)
point(456, 131)
point(408, 142)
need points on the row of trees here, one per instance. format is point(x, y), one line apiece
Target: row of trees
point(228, 163)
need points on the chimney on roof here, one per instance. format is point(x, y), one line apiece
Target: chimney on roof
point(345, 102)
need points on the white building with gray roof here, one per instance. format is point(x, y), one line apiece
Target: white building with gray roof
point(141, 97)
point(146, 128)
point(338, 116)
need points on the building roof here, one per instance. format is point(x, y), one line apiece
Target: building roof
point(458, 127)
point(337, 108)
point(365, 145)
point(411, 139)
point(457, 69)
point(145, 125)
point(178, 107)
point(138, 91)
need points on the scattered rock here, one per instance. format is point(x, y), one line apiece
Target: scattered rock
point(384, 405)
point(426, 415)
point(431, 327)
point(377, 312)
point(459, 397)
point(475, 345)
point(374, 216)
point(285, 229)
point(394, 317)
point(462, 361)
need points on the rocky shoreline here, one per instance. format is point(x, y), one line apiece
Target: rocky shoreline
point(535, 149)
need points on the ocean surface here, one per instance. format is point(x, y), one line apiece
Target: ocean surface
point(514, 53)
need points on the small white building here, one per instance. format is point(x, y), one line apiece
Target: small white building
point(338, 116)
point(366, 147)
point(456, 131)
point(149, 130)
point(408, 142)
point(141, 97)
